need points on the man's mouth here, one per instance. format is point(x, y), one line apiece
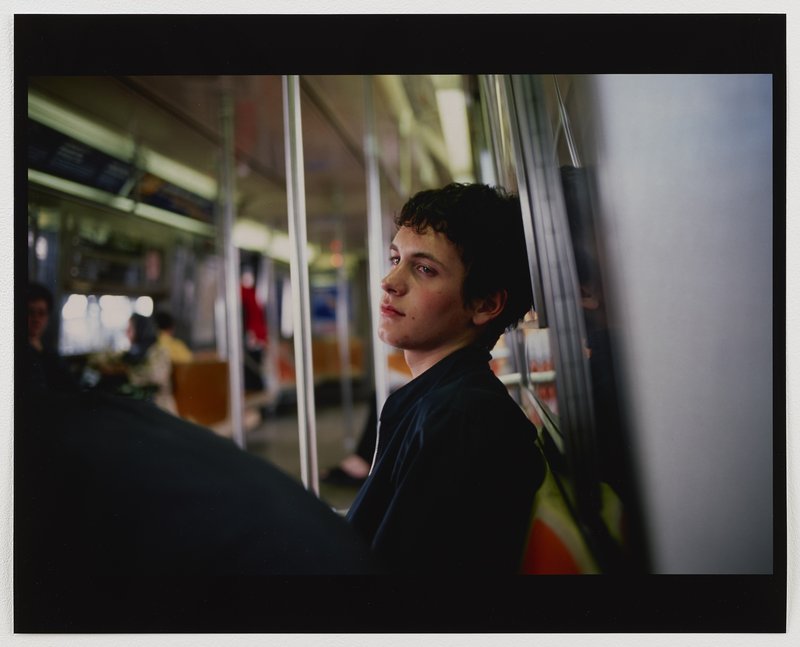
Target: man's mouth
point(390, 311)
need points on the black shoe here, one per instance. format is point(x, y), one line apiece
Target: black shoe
point(337, 476)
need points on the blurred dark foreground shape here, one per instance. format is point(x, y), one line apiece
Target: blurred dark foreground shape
point(113, 493)
point(116, 486)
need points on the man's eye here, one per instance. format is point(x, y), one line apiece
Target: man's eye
point(425, 269)
point(394, 260)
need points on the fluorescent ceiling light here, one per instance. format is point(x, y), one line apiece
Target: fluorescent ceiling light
point(177, 173)
point(74, 125)
point(455, 126)
point(174, 220)
point(119, 145)
point(122, 204)
point(79, 190)
point(251, 235)
point(248, 234)
point(487, 168)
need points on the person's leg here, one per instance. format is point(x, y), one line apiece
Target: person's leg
point(354, 468)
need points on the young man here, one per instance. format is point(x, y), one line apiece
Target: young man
point(457, 467)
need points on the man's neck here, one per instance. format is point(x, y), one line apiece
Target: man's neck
point(420, 361)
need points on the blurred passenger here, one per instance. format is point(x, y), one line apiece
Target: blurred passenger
point(457, 467)
point(46, 369)
point(353, 469)
point(149, 364)
point(177, 350)
point(143, 372)
point(142, 334)
point(255, 333)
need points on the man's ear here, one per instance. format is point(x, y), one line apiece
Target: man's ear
point(488, 308)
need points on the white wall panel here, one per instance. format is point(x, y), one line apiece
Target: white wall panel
point(684, 168)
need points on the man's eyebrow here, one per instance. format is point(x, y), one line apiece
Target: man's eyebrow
point(420, 254)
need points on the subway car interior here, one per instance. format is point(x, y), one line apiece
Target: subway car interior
point(257, 210)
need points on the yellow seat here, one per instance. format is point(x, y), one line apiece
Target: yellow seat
point(555, 544)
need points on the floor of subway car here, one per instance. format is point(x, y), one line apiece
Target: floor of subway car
point(276, 439)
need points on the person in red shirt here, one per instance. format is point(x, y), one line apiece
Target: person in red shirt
point(255, 333)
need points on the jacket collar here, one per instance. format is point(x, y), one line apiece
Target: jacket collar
point(457, 363)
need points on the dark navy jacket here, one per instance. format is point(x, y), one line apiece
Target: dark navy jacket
point(456, 473)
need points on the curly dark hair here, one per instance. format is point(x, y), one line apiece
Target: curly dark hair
point(164, 320)
point(485, 225)
point(144, 336)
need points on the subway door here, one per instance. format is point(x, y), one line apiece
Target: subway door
point(683, 179)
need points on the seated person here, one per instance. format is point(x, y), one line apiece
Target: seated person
point(353, 469)
point(144, 371)
point(177, 350)
point(45, 368)
point(457, 466)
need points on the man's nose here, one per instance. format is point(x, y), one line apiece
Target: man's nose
point(392, 283)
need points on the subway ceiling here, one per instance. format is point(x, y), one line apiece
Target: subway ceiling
point(180, 118)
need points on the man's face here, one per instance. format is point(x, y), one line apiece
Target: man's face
point(422, 307)
point(37, 318)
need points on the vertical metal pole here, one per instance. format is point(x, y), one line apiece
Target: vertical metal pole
point(343, 338)
point(499, 94)
point(536, 155)
point(377, 250)
point(273, 335)
point(33, 237)
point(562, 111)
point(301, 293)
point(233, 307)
